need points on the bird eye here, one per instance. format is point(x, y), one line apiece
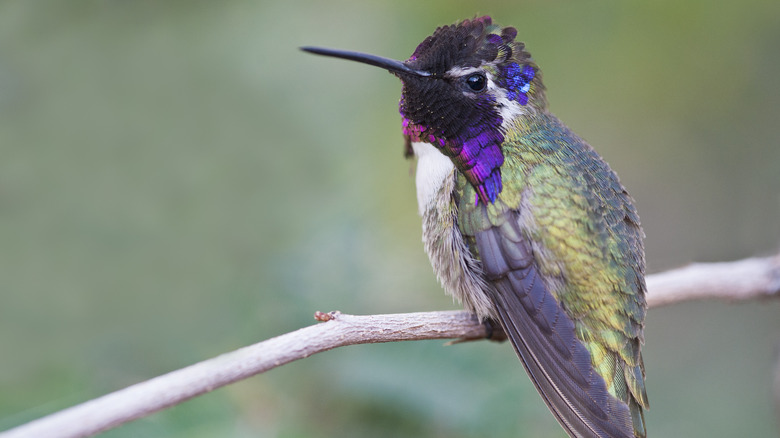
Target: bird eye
point(476, 82)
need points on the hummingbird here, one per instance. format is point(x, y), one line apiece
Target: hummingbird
point(525, 223)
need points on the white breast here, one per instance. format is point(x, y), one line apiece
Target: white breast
point(432, 168)
point(455, 266)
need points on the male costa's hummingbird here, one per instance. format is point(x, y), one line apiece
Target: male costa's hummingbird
point(525, 223)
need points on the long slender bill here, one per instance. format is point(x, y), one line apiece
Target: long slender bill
point(391, 65)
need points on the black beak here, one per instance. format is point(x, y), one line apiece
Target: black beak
point(388, 64)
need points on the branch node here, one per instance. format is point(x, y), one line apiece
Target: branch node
point(325, 317)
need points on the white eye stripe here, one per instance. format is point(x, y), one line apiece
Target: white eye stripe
point(491, 85)
point(457, 72)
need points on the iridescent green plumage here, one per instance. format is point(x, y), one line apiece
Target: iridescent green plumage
point(585, 243)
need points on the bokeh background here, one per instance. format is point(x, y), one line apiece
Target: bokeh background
point(177, 180)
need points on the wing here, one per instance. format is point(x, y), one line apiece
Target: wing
point(544, 337)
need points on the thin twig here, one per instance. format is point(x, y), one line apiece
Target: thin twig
point(740, 280)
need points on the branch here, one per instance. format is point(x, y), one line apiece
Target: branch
point(740, 280)
point(153, 395)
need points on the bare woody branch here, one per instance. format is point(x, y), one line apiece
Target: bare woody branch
point(740, 280)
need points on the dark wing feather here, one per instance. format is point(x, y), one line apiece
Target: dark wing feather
point(544, 338)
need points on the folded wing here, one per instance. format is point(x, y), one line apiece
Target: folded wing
point(544, 338)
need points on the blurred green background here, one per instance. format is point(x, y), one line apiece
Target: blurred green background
point(177, 180)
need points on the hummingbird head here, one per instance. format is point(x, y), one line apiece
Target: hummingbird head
point(463, 88)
